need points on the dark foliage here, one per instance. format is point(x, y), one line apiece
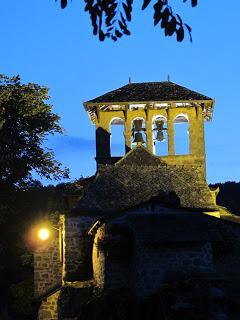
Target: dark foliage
point(26, 120)
point(110, 18)
point(229, 195)
point(20, 210)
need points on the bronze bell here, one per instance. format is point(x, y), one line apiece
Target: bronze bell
point(159, 124)
point(138, 138)
point(138, 125)
point(160, 136)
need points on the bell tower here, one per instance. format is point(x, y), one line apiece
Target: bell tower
point(151, 113)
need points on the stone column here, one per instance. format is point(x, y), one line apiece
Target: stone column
point(193, 131)
point(149, 134)
point(128, 133)
point(196, 136)
point(196, 132)
point(103, 151)
point(170, 131)
point(201, 142)
point(201, 138)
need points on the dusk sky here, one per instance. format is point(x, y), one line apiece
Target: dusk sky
point(56, 48)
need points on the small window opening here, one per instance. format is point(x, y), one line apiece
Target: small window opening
point(138, 132)
point(117, 137)
point(181, 135)
point(160, 136)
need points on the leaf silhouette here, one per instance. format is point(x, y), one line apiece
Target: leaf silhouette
point(165, 17)
point(145, 4)
point(127, 11)
point(189, 31)
point(157, 12)
point(171, 26)
point(180, 34)
point(110, 18)
point(118, 33)
point(101, 35)
point(64, 4)
point(194, 3)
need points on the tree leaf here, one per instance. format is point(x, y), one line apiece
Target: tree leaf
point(89, 5)
point(157, 12)
point(101, 35)
point(64, 4)
point(165, 17)
point(129, 3)
point(145, 4)
point(123, 19)
point(189, 31)
point(114, 38)
point(171, 27)
point(179, 18)
point(95, 29)
point(124, 28)
point(127, 12)
point(194, 3)
point(180, 34)
point(118, 33)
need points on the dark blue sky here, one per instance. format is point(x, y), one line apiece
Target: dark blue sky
point(55, 47)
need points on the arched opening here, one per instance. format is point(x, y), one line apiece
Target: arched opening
point(138, 132)
point(117, 141)
point(181, 134)
point(160, 137)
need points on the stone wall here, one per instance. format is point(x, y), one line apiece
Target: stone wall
point(70, 256)
point(98, 257)
point(73, 299)
point(112, 258)
point(152, 265)
point(227, 256)
point(77, 248)
point(126, 256)
point(47, 268)
point(49, 308)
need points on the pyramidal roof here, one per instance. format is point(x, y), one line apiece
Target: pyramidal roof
point(139, 177)
point(149, 91)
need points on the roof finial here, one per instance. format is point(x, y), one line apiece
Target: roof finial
point(168, 78)
point(129, 80)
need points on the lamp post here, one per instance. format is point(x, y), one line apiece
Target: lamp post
point(44, 234)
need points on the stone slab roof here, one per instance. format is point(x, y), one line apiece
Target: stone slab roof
point(149, 91)
point(139, 177)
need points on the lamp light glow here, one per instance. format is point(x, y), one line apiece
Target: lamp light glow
point(43, 234)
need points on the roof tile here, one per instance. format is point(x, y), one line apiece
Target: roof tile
point(149, 91)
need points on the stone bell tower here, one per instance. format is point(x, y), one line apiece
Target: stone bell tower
point(149, 112)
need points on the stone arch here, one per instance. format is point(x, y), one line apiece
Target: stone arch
point(117, 142)
point(143, 131)
point(160, 137)
point(181, 134)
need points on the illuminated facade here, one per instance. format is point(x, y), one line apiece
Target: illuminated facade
point(152, 103)
point(147, 223)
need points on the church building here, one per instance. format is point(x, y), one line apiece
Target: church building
point(147, 239)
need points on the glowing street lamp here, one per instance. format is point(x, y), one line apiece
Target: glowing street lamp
point(43, 234)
